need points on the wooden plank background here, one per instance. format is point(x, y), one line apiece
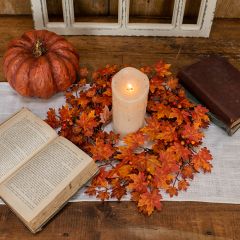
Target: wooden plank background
point(225, 8)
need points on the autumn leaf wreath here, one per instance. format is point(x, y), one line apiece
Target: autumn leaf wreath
point(173, 130)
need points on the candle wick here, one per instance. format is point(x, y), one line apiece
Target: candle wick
point(130, 87)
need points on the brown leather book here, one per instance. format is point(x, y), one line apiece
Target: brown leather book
point(216, 84)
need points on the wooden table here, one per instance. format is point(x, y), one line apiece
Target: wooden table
point(113, 220)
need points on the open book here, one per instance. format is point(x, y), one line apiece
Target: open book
point(39, 171)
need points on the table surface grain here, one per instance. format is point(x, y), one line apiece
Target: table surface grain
point(120, 220)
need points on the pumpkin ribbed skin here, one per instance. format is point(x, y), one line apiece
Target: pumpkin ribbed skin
point(40, 64)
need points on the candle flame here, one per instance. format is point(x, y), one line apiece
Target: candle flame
point(130, 87)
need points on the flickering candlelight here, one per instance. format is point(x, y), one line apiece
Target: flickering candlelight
point(130, 89)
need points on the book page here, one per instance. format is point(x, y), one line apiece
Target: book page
point(40, 180)
point(21, 137)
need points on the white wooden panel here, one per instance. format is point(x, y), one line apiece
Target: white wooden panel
point(123, 27)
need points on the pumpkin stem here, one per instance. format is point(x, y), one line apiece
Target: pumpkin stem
point(38, 49)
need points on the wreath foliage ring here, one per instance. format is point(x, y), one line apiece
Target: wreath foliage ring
point(173, 127)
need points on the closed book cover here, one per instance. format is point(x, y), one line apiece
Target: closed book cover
point(215, 83)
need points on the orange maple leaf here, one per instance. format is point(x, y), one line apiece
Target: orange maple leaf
point(103, 195)
point(83, 100)
point(156, 82)
point(52, 119)
point(201, 160)
point(65, 114)
point(179, 151)
point(169, 162)
point(162, 111)
point(91, 190)
point(192, 134)
point(172, 191)
point(118, 192)
point(172, 83)
point(183, 185)
point(124, 170)
point(152, 163)
point(102, 99)
point(167, 132)
point(162, 69)
point(91, 92)
point(149, 201)
point(134, 140)
point(187, 172)
point(176, 113)
point(138, 183)
point(102, 151)
point(146, 69)
point(100, 179)
point(87, 122)
point(153, 126)
point(199, 115)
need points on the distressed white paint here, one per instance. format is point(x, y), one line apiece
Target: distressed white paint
point(122, 27)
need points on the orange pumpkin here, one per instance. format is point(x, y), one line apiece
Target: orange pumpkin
point(40, 63)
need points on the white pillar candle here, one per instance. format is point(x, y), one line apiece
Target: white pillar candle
point(130, 89)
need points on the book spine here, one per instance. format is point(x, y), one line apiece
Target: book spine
point(212, 117)
point(205, 98)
